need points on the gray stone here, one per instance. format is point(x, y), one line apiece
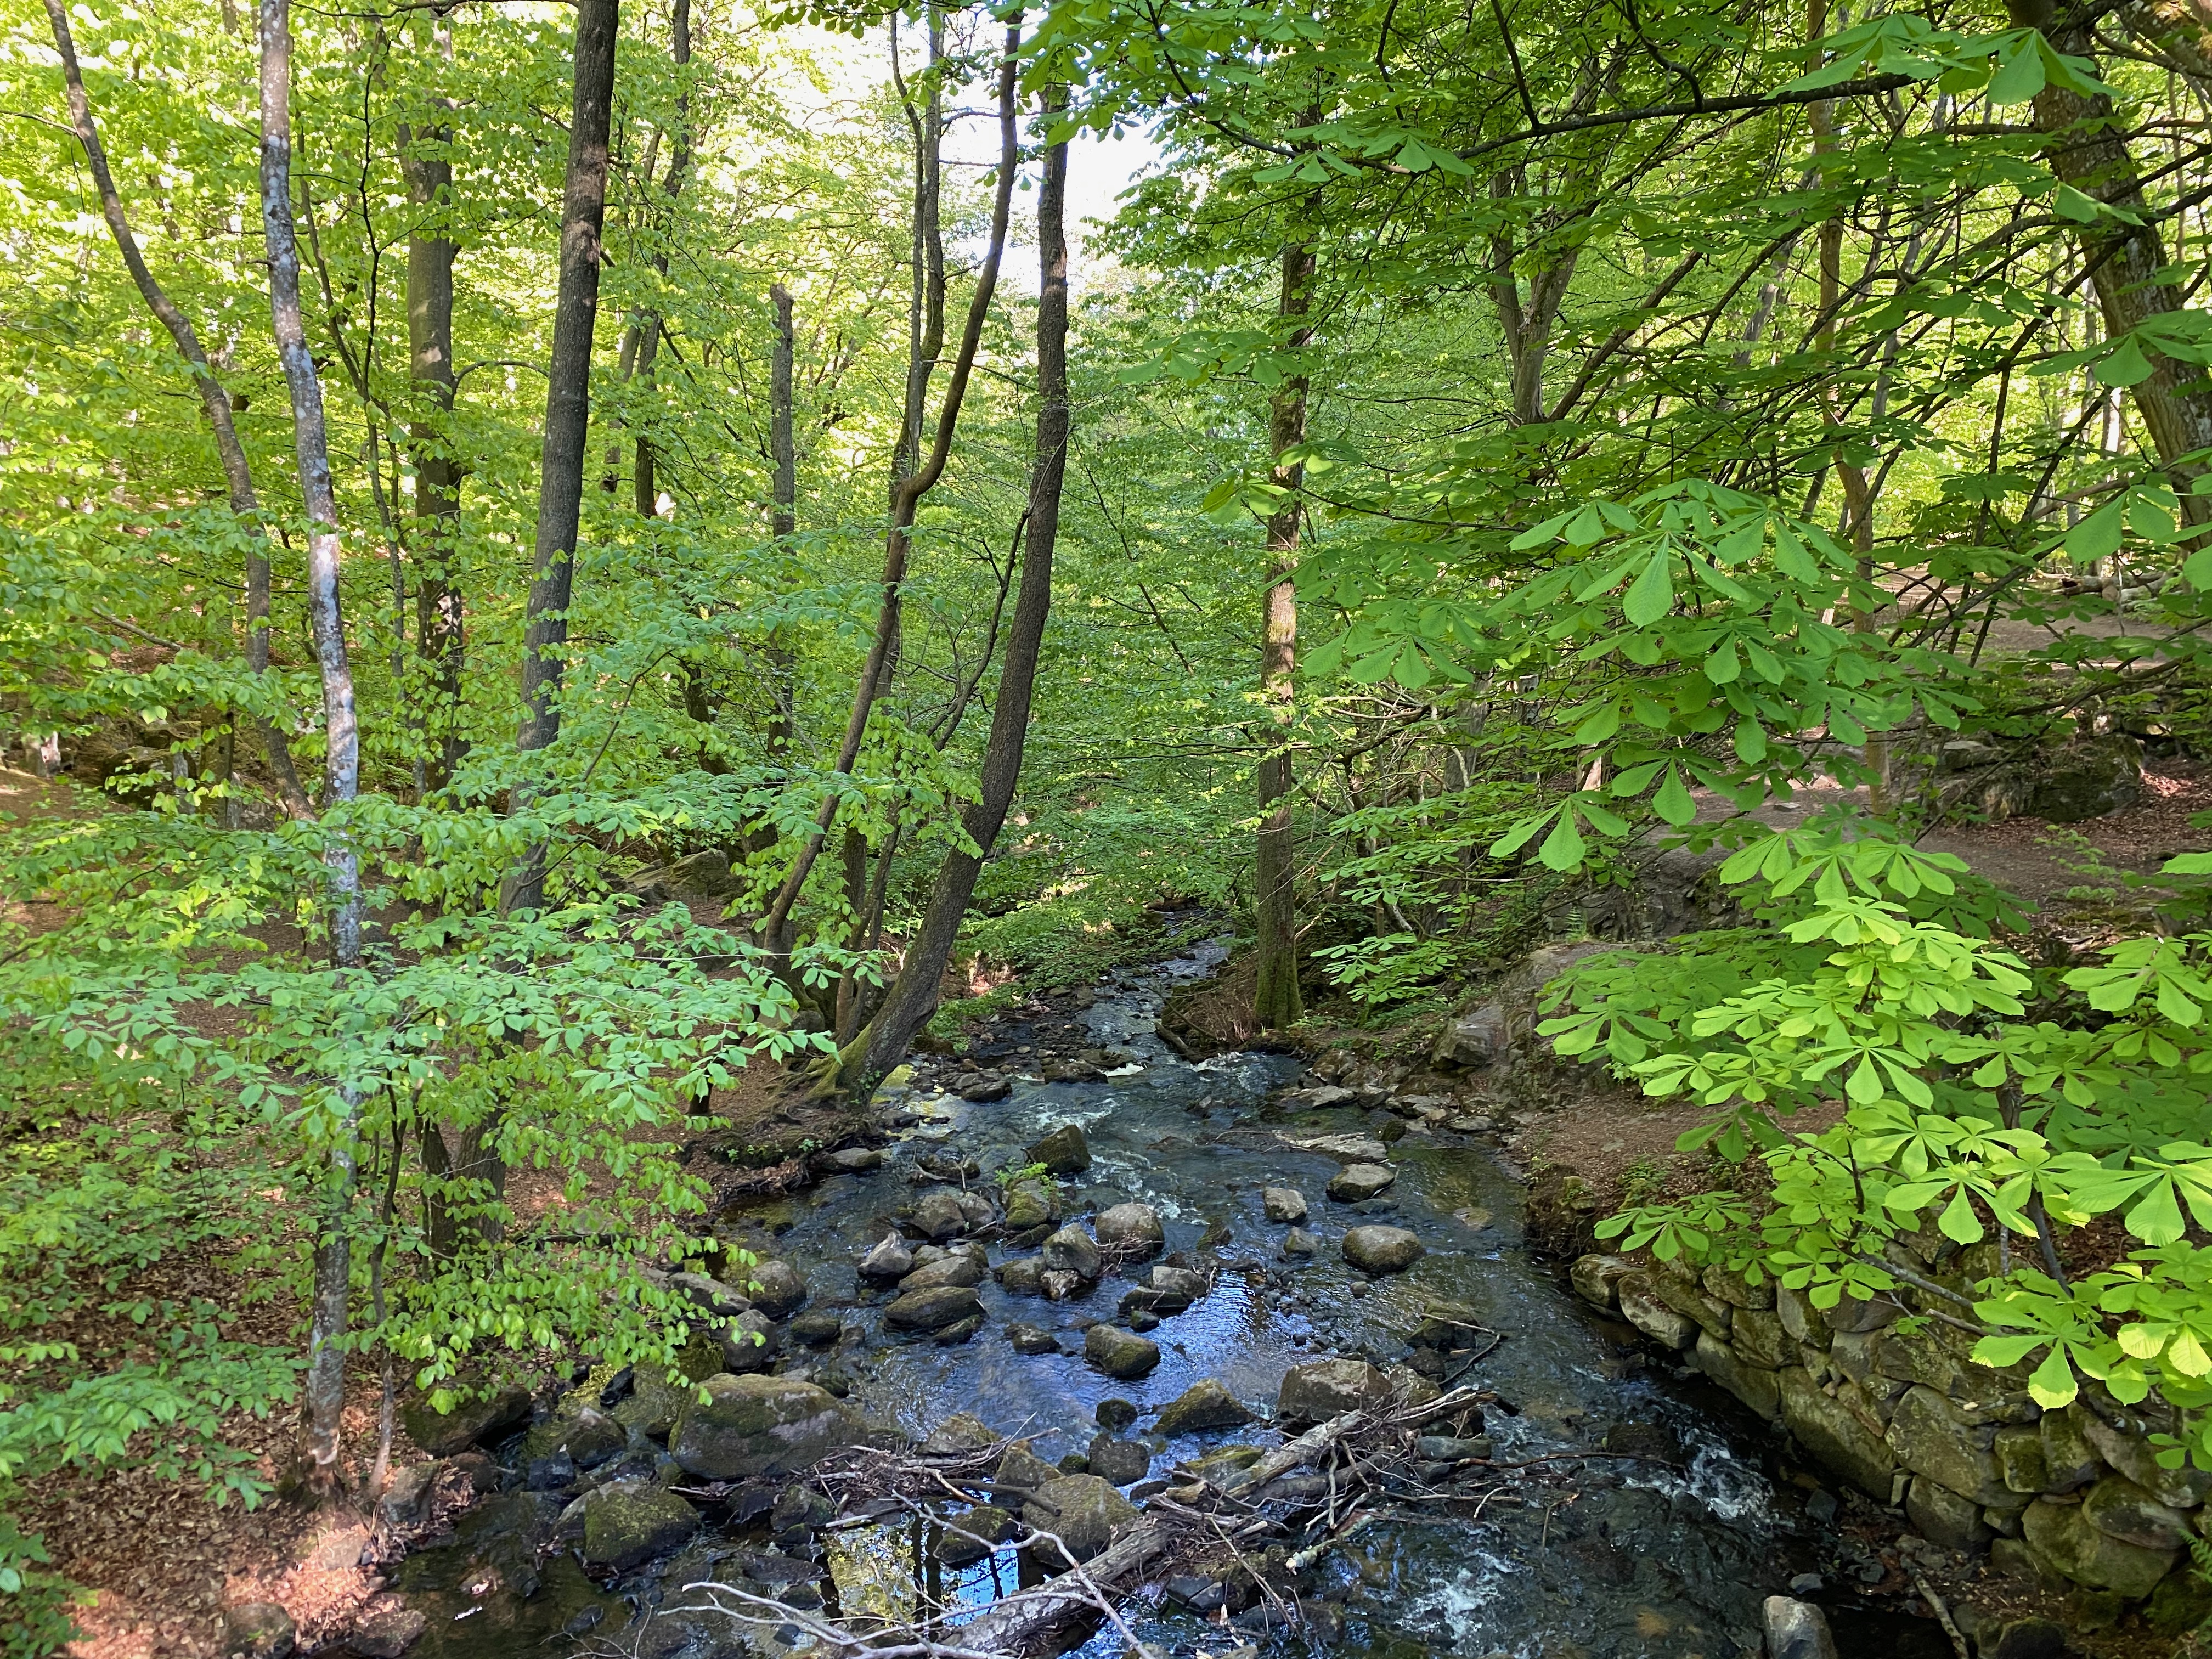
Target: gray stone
point(958, 1331)
point(1322, 1389)
point(1283, 1204)
point(2120, 1508)
point(748, 1343)
point(940, 1215)
point(2026, 1638)
point(960, 1432)
point(387, 1628)
point(1799, 1322)
point(1641, 1307)
point(852, 1160)
point(816, 1330)
point(1064, 1151)
point(2181, 1603)
point(1383, 1249)
point(1595, 1277)
point(710, 1295)
point(2133, 1455)
point(1472, 1039)
point(968, 1536)
point(1072, 1250)
point(1207, 1404)
point(1736, 1289)
point(1120, 1353)
point(2021, 1465)
point(1453, 1448)
point(1021, 1470)
point(405, 1500)
point(2088, 778)
point(2069, 1461)
point(1835, 1436)
point(1357, 1182)
point(441, 1435)
point(1171, 1290)
point(1796, 1629)
point(1757, 1387)
point(749, 1425)
point(1676, 1287)
point(2060, 1539)
point(1031, 1203)
point(1131, 1226)
point(933, 1310)
point(1299, 1242)
point(1758, 1337)
point(1926, 1433)
point(776, 1288)
point(1031, 1338)
point(890, 1259)
point(628, 1521)
point(1944, 1518)
point(1023, 1276)
point(1851, 1315)
point(1123, 1463)
point(1082, 1511)
point(258, 1629)
point(960, 1272)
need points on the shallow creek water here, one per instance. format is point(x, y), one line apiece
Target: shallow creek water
point(1605, 1558)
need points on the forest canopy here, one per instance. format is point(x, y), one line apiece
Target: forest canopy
point(554, 557)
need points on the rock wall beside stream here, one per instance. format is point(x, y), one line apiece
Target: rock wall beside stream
point(1890, 1400)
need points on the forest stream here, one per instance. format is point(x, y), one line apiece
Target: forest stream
point(1663, 1540)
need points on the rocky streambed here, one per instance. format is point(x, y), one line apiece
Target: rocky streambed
point(1102, 1278)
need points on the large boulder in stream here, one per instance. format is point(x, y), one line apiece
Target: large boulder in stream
point(1120, 1353)
point(960, 1272)
point(1203, 1405)
point(626, 1522)
point(749, 1425)
point(1283, 1204)
point(1358, 1182)
point(1064, 1151)
point(889, 1259)
point(776, 1289)
point(1322, 1389)
point(1082, 1511)
point(1131, 1227)
point(1383, 1249)
point(933, 1310)
point(1072, 1250)
point(940, 1215)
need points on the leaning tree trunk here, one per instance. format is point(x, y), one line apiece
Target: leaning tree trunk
point(238, 476)
point(325, 1382)
point(914, 996)
point(1275, 994)
point(2128, 266)
point(440, 624)
point(568, 414)
point(777, 927)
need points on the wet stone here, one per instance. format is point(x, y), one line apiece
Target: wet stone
point(960, 1432)
point(1072, 1250)
point(1114, 1414)
point(258, 1629)
point(940, 1215)
point(1064, 1151)
point(853, 1160)
point(1322, 1389)
point(1205, 1405)
point(816, 1330)
point(1299, 1242)
point(1139, 1320)
point(933, 1310)
point(1131, 1227)
point(1121, 1461)
point(387, 1628)
point(947, 1336)
point(1359, 1182)
point(1023, 1276)
point(968, 1536)
point(961, 1272)
point(752, 1426)
point(1283, 1204)
point(1082, 1511)
point(889, 1259)
point(1383, 1249)
point(1031, 1338)
point(776, 1288)
point(709, 1294)
point(1118, 1353)
point(1021, 1470)
point(628, 1521)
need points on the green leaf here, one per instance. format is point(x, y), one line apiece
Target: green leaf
point(1652, 594)
point(1722, 667)
point(1563, 848)
point(2053, 1384)
point(2073, 205)
point(1958, 1223)
point(2020, 74)
point(2126, 366)
point(1672, 802)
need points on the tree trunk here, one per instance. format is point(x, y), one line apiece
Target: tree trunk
point(325, 1381)
point(776, 928)
point(926, 308)
point(2128, 262)
point(567, 413)
point(643, 473)
point(440, 630)
point(1276, 995)
point(914, 996)
point(238, 476)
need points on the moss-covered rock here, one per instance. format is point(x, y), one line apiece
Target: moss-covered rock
point(2060, 1539)
point(626, 1522)
point(749, 1425)
point(1082, 1511)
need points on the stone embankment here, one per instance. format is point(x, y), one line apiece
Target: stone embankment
point(1886, 1395)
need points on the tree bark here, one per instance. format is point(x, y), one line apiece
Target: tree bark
point(238, 474)
point(567, 413)
point(440, 621)
point(926, 308)
point(1275, 993)
point(914, 995)
point(644, 469)
point(776, 928)
point(2128, 262)
point(326, 1380)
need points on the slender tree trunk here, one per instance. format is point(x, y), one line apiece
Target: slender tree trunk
point(238, 476)
point(926, 308)
point(1275, 994)
point(648, 495)
point(440, 621)
point(776, 928)
point(2130, 272)
point(325, 1382)
point(568, 411)
point(914, 995)
point(784, 517)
